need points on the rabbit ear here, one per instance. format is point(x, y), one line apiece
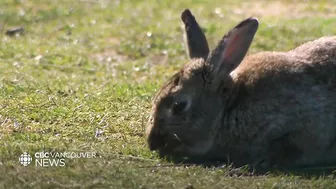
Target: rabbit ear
point(194, 36)
point(232, 48)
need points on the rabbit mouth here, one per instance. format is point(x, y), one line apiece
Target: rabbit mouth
point(172, 147)
point(166, 144)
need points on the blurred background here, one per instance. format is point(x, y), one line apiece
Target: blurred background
point(124, 31)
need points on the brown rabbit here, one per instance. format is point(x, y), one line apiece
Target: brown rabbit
point(268, 109)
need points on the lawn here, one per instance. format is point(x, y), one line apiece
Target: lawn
point(81, 75)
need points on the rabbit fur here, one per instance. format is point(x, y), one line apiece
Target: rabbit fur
point(265, 109)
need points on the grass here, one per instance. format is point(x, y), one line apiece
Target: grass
point(81, 77)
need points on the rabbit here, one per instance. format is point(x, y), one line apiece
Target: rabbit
point(268, 109)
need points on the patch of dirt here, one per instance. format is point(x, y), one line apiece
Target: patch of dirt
point(284, 9)
point(158, 59)
point(109, 55)
point(7, 125)
point(113, 41)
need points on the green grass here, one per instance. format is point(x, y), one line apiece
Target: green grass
point(82, 76)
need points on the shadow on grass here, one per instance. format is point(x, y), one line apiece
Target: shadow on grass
point(248, 170)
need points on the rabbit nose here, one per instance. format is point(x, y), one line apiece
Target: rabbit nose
point(155, 140)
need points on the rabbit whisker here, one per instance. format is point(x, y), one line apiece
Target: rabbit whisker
point(175, 135)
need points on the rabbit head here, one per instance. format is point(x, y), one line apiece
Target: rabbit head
point(188, 110)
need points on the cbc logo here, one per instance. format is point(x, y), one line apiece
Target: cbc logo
point(42, 155)
point(25, 159)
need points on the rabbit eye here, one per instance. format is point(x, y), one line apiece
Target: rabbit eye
point(179, 107)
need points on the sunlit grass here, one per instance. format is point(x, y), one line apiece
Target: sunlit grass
point(82, 75)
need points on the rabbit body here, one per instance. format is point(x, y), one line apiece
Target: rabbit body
point(285, 106)
point(267, 109)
